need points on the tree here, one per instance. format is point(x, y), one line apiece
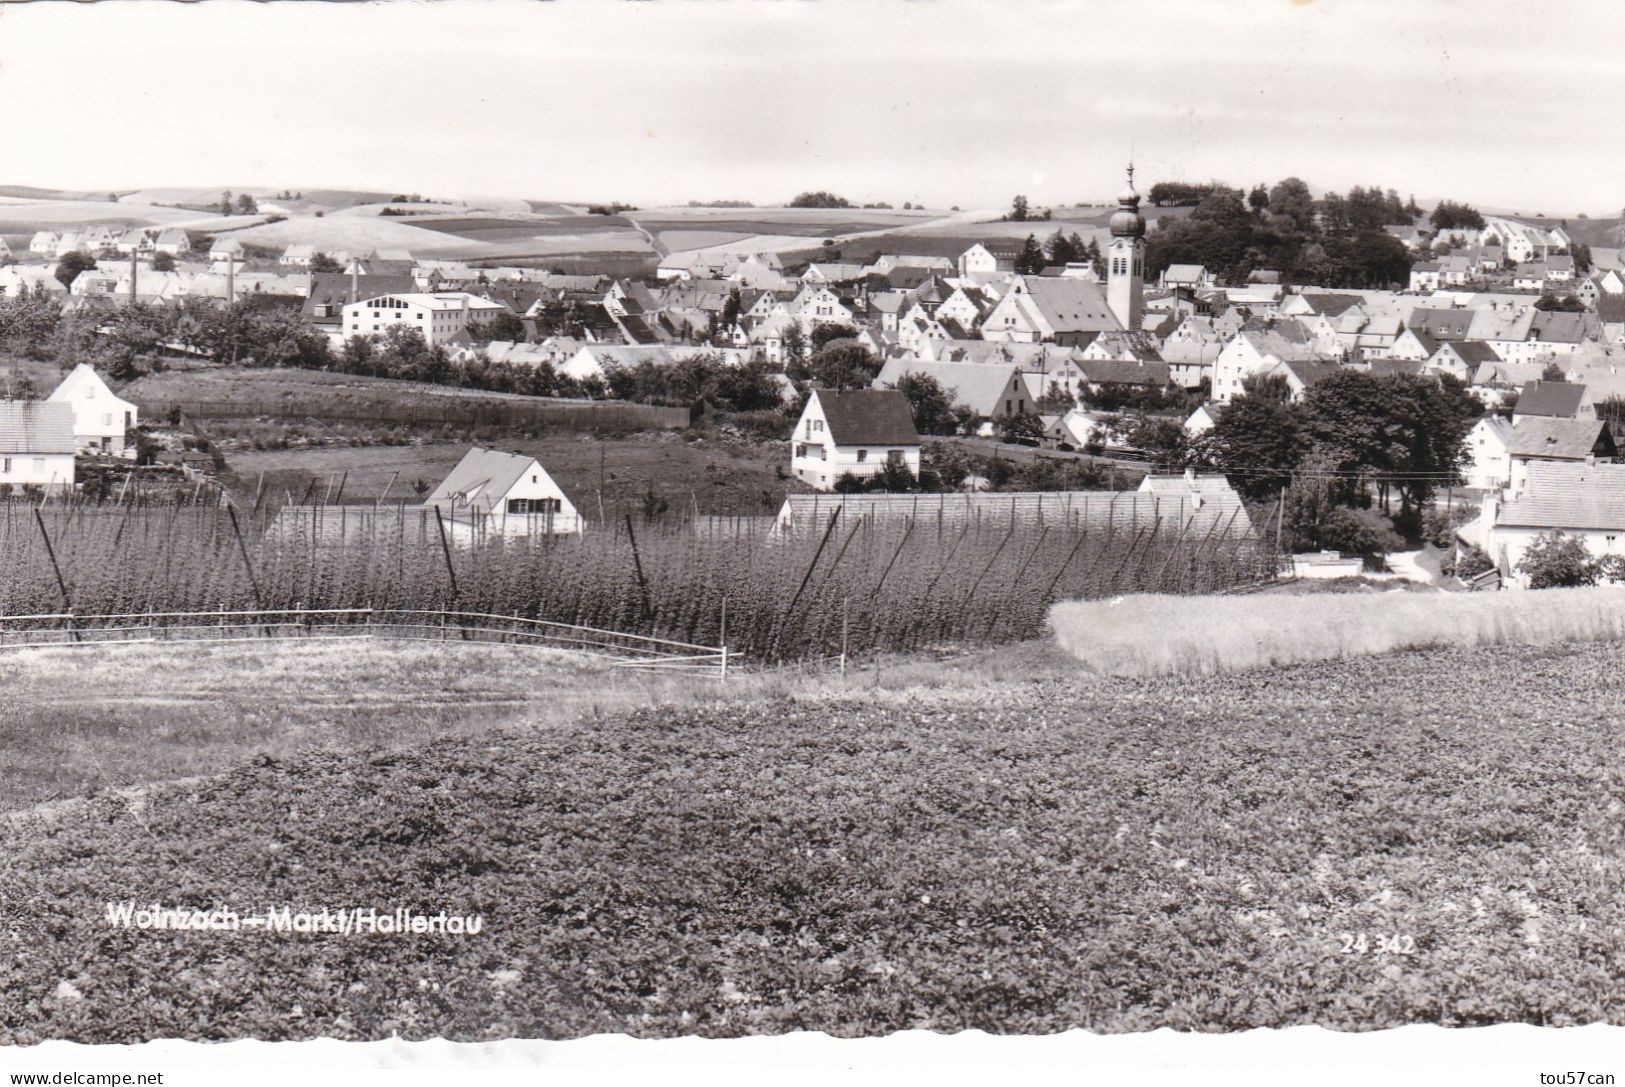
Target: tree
point(1258, 199)
point(163, 262)
point(321, 262)
point(928, 404)
point(826, 332)
point(247, 205)
point(843, 364)
point(795, 351)
point(1554, 371)
point(1059, 250)
point(1292, 206)
point(1023, 426)
point(1030, 261)
point(1453, 216)
point(225, 202)
point(1018, 210)
point(1257, 441)
point(1556, 560)
point(819, 200)
point(71, 264)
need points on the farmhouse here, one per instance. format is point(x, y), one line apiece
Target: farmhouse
point(1582, 500)
point(495, 494)
point(36, 444)
point(173, 241)
point(1539, 440)
point(101, 420)
point(859, 433)
point(225, 249)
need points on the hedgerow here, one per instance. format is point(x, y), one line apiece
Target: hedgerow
point(1359, 845)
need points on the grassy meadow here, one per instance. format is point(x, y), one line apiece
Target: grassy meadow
point(991, 843)
point(1149, 635)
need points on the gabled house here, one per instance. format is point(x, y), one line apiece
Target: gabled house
point(44, 243)
point(1460, 358)
point(495, 494)
point(1301, 374)
point(1553, 400)
point(1586, 501)
point(36, 444)
point(859, 433)
point(225, 249)
point(1539, 440)
point(1050, 310)
point(1488, 466)
point(102, 421)
point(173, 241)
point(1256, 349)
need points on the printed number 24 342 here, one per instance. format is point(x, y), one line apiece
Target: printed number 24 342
point(1358, 943)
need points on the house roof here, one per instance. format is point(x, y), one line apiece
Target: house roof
point(1184, 273)
point(1473, 352)
point(868, 417)
point(1124, 372)
point(1071, 305)
point(1540, 436)
point(977, 385)
point(36, 426)
point(1558, 399)
point(1570, 496)
point(481, 479)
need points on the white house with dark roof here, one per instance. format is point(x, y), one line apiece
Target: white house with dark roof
point(1578, 499)
point(495, 494)
point(36, 444)
point(857, 432)
point(1539, 440)
point(102, 421)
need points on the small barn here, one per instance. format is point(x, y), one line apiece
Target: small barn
point(495, 494)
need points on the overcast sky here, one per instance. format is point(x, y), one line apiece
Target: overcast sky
point(1505, 104)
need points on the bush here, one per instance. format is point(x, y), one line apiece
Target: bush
point(1556, 560)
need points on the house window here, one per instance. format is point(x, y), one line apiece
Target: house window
point(531, 506)
point(894, 457)
point(5, 465)
point(863, 456)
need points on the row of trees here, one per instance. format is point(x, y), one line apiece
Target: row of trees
point(1337, 241)
point(1337, 459)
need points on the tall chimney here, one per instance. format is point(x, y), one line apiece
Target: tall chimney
point(355, 279)
point(231, 280)
point(133, 252)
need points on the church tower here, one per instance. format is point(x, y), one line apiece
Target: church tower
point(1125, 260)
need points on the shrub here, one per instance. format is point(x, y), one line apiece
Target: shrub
point(1556, 560)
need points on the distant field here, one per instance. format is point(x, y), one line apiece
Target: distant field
point(764, 226)
point(676, 241)
point(484, 229)
point(721, 477)
point(54, 215)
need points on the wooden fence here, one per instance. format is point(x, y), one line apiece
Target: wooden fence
point(65, 629)
point(457, 411)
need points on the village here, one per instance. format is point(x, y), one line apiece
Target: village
point(1056, 347)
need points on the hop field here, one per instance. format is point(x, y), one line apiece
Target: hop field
point(853, 586)
point(1360, 844)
